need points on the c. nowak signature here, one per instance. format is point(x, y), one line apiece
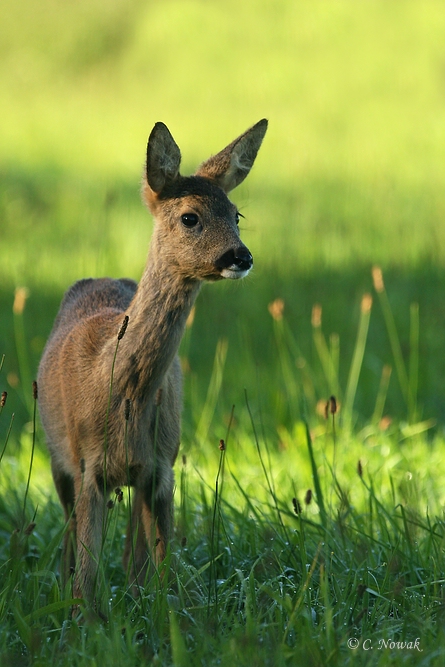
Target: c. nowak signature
point(382, 644)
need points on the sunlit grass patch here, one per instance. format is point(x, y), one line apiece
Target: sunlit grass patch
point(255, 564)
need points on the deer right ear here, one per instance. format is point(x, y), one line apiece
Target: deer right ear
point(163, 158)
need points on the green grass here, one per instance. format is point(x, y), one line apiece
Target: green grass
point(351, 176)
point(257, 568)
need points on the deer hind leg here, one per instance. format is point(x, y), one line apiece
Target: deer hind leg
point(64, 484)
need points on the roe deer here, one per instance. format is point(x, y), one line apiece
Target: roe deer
point(94, 445)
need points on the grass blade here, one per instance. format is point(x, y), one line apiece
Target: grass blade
point(381, 395)
point(357, 360)
point(413, 362)
point(391, 328)
point(213, 390)
point(327, 360)
point(315, 477)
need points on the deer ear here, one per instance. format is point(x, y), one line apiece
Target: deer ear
point(163, 158)
point(231, 166)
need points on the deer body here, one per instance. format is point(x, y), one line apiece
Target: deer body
point(101, 438)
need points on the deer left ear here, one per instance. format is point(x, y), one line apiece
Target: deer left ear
point(231, 166)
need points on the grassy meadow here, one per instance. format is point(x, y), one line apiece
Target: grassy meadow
point(316, 536)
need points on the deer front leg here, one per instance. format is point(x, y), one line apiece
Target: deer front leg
point(148, 531)
point(157, 519)
point(136, 557)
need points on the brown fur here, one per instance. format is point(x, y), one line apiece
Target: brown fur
point(88, 452)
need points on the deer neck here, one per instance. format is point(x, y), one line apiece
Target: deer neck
point(157, 316)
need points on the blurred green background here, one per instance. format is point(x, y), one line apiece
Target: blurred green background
point(351, 175)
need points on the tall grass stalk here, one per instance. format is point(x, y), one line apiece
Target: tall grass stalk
point(217, 517)
point(213, 390)
point(381, 395)
point(334, 348)
point(8, 434)
point(3, 399)
point(33, 444)
point(158, 404)
point(286, 347)
point(120, 335)
point(328, 356)
point(180, 655)
point(183, 509)
point(267, 474)
point(131, 528)
point(404, 382)
point(214, 533)
point(315, 476)
point(331, 410)
point(20, 297)
point(357, 360)
point(301, 598)
point(11, 421)
point(413, 361)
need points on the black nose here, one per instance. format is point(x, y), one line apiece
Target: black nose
point(239, 257)
point(243, 259)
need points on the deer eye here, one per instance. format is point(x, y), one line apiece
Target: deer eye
point(189, 219)
point(238, 216)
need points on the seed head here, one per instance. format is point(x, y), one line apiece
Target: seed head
point(127, 408)
point(20, 296)
point(360, 468)
point(222, 446)
point(316, 316)
point(366, 303)
point(377, 278)
point(276, 309)
point(385, 423)
point(119, 494)
point(297, 506)
point(3, 398)
point(361, 590)
point(183, 541)
point(29, 528)
point(333, 405)
point(308, 497)
point(123, 328)
point(110, 505)
point(158, 400)
point(34, 390)
point(82, 466)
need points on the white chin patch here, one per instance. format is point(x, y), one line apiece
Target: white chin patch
point(234, 273)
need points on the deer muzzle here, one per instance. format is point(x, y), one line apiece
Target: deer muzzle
point(235, 263)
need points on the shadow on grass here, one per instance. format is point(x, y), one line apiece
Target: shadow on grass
point(239, 313)
point(59, 227)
